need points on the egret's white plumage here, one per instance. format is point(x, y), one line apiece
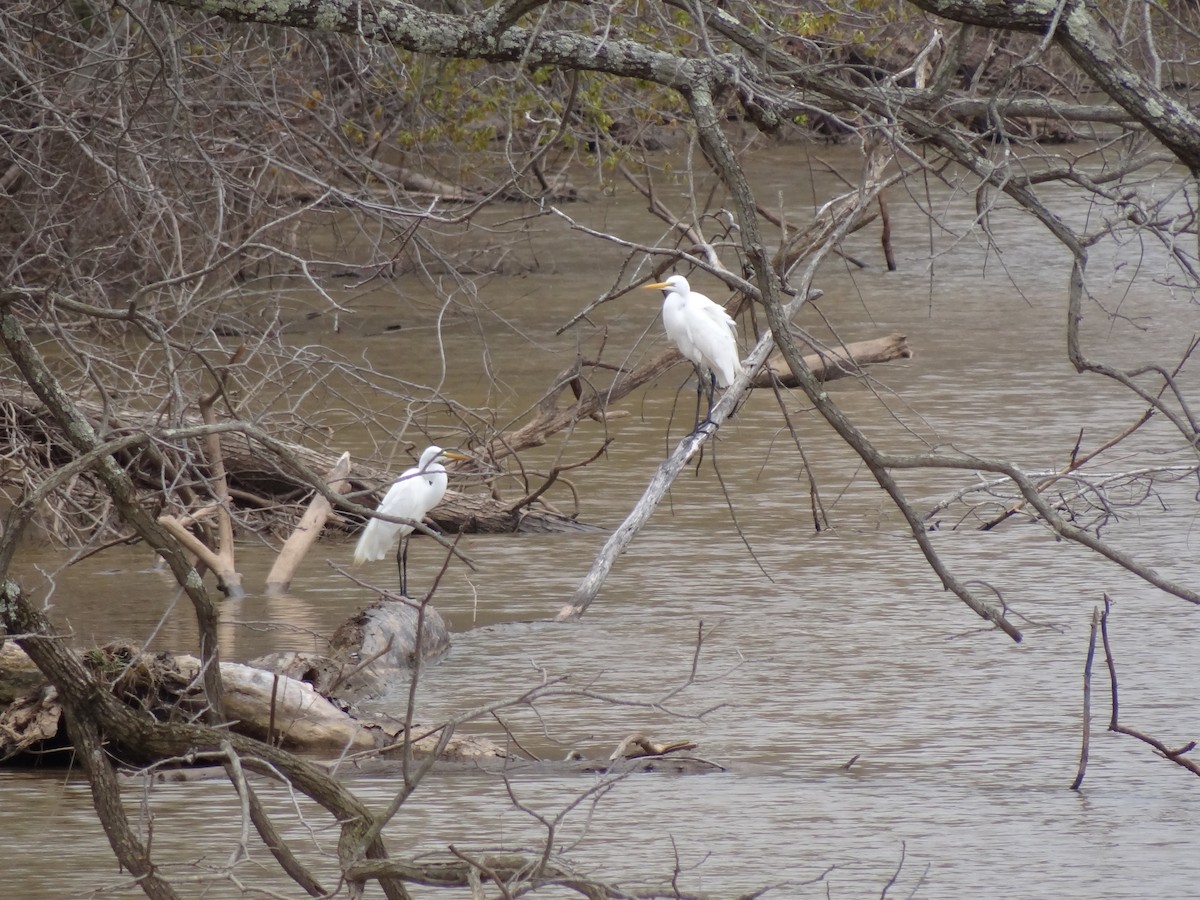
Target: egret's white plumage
point(414, 493)
point(704, 334)
point(701, 329)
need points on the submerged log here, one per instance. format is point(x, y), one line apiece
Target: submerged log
point(387, 632)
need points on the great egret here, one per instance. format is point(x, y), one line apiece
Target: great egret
point(704, 333)
point(414, 493)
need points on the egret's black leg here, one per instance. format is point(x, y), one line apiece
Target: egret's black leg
point(699, 391)
point(402, 564)
point(712, 392)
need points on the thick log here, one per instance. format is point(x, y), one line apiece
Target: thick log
point(285, 712)
point(272, 708)
point(386, 631)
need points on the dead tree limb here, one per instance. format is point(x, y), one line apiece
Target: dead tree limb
point(204, 554)
point(550, 418)
point(661, 482)
point(307, 529)
point(837, 362)
point(1079, 460)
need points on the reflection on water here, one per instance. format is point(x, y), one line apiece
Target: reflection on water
point(818, 649)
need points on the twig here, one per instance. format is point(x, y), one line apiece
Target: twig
point(553, 477)
point(891, 881)
point(1087, 701)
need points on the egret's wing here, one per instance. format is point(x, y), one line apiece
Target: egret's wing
point(377, 537)
point(714, 334)
point(717, 313)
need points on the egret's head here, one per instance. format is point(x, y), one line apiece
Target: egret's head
point(675, 284)
point(437, 454)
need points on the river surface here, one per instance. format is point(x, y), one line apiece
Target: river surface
point(819, 648)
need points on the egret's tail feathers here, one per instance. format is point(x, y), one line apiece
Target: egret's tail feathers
point(374, 544)
point(727, 374)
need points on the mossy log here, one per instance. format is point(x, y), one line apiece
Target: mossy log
point(273, 708)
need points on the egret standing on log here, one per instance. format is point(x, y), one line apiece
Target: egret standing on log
point(414, 493)
point(704, 333)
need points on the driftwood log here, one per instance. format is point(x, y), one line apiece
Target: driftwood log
point(308, 529)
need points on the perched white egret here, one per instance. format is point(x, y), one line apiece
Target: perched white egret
point(414, 493)
point(704, 333)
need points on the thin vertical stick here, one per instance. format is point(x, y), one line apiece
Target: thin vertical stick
point(1087, 701)
point(1112, 666)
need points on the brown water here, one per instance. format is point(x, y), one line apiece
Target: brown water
point(822, 647)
